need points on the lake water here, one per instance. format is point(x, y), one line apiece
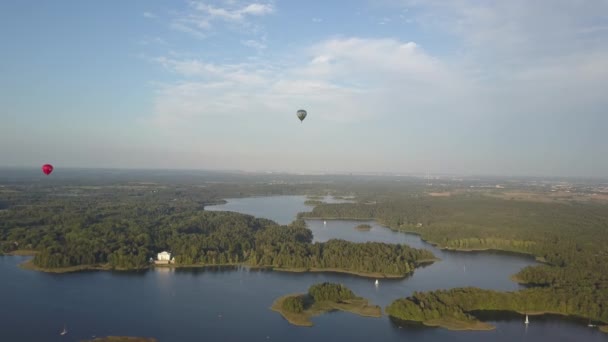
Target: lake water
point(281, 209)
point(233, 304)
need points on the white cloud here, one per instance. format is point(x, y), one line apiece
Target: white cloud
point(201, 17)
point(343, 80)
point(518, 31)
point(541, 58)
point(257, 9)
point(194, 26)
point(254, 44)
point(149, 15)
point(355, 79)
point(152, 41)
point(384, 21)
point(515, 72)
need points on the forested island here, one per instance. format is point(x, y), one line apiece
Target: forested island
point(363, 227)
point(571, 239)
point(101, 230)
point(298, 309)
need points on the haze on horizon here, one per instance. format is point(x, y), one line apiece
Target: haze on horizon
point(465, 87)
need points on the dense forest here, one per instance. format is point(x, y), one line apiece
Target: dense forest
point(125, 229)
point(461, 303)
point(571, 238)
point(318, 293)
point(331, 292)
point(293, 304)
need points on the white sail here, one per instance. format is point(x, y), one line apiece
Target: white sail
point(527, 320)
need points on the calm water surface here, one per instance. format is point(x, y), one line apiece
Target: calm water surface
point(233, 305)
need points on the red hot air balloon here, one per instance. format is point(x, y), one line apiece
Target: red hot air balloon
point(47, 169)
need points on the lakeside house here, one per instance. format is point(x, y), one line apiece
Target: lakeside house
point(164, 258)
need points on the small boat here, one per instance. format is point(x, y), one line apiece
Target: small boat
point(377, 282)
point(64, 331)
point(527, 320)
point(324, 222)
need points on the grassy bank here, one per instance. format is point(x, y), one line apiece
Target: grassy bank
point(337, 270)
point(363, 227)
point(29, 265)
point(457, 324)
point(359, 306)
point(23, 252)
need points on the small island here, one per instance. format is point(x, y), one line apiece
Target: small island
point(313, 202)
point(363, 227)
point(298, 309)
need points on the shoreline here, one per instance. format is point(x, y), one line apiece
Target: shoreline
point(465, 250)
point(459, 325)
point(337, 219)
point(435, 244)
point(336, 270)
point(455, 324)
point(29, 265)
point(22, 252)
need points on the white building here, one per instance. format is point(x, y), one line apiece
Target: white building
point(164, 256)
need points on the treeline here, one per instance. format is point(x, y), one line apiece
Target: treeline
point(291, 247)
point(370, 257)
point(461, 303)
point(557, 232)
point(294, 304)
point(126, 230)
point(330, 292)
point(318, 293)
point(572, 238)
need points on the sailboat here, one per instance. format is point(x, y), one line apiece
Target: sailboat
point(377, 282)
point(324, 223)
point(64, 331)
point(527, 320)
point(591, 325)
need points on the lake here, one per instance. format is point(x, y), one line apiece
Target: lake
point(233, 304)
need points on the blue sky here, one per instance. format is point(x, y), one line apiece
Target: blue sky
point(471, 87)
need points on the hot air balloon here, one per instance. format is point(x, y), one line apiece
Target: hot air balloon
point(47, 169)
point(301, 114)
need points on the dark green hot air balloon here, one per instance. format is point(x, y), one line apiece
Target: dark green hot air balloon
point(301, 114)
